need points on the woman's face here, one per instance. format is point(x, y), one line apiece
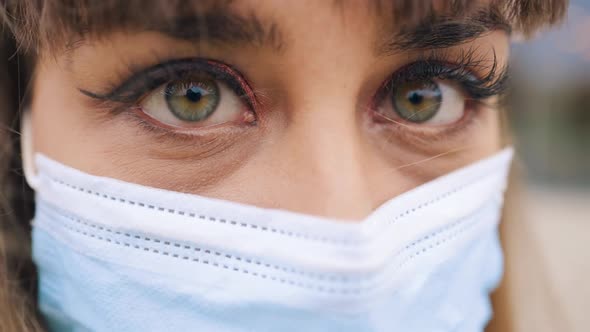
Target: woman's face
point(316, 107)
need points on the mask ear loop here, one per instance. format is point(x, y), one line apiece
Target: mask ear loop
point(27, 151)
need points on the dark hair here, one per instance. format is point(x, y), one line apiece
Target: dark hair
point(30, 27)
point(17, 275)
point(47, 24)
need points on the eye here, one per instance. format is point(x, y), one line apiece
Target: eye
point(432, 101)
point(439, 92)
point(196, 101)
point(192, 101)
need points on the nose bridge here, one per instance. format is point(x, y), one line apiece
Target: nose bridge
point(323, 136)
point(327, 145)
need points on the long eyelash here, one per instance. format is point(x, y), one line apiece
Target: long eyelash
point(462, 69)
point(143, 82)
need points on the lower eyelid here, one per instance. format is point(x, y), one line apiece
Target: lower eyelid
point(400, 126)
point(196, 146)
point(203, 128)
point(429, 140)
point(168, 135)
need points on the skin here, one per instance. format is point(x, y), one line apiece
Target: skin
point(316, 147)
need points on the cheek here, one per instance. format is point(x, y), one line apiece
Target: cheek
point(65, 128)
point(57, 122)
point(414, 160)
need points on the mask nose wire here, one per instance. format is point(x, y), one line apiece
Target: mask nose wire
point(27, 151)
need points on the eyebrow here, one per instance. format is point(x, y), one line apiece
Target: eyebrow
point(442, 32)
point(227, 27)
point(219, 23)
point(224, 27)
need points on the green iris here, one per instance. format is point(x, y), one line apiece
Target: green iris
point(417, 101)
point(192, 101)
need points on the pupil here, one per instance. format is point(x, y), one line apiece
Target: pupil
point(194, 94)
point(415, 98)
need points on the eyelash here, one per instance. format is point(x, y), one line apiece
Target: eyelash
point(459, 69)
point(142, 82)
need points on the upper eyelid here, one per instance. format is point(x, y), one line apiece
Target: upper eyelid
point(480, 86)
point(429, 70)
point(142, 81)
point(468, 59)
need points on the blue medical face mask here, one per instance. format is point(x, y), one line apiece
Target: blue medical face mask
point(115, 256)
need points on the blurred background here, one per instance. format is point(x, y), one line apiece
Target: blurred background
point(550, 116)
